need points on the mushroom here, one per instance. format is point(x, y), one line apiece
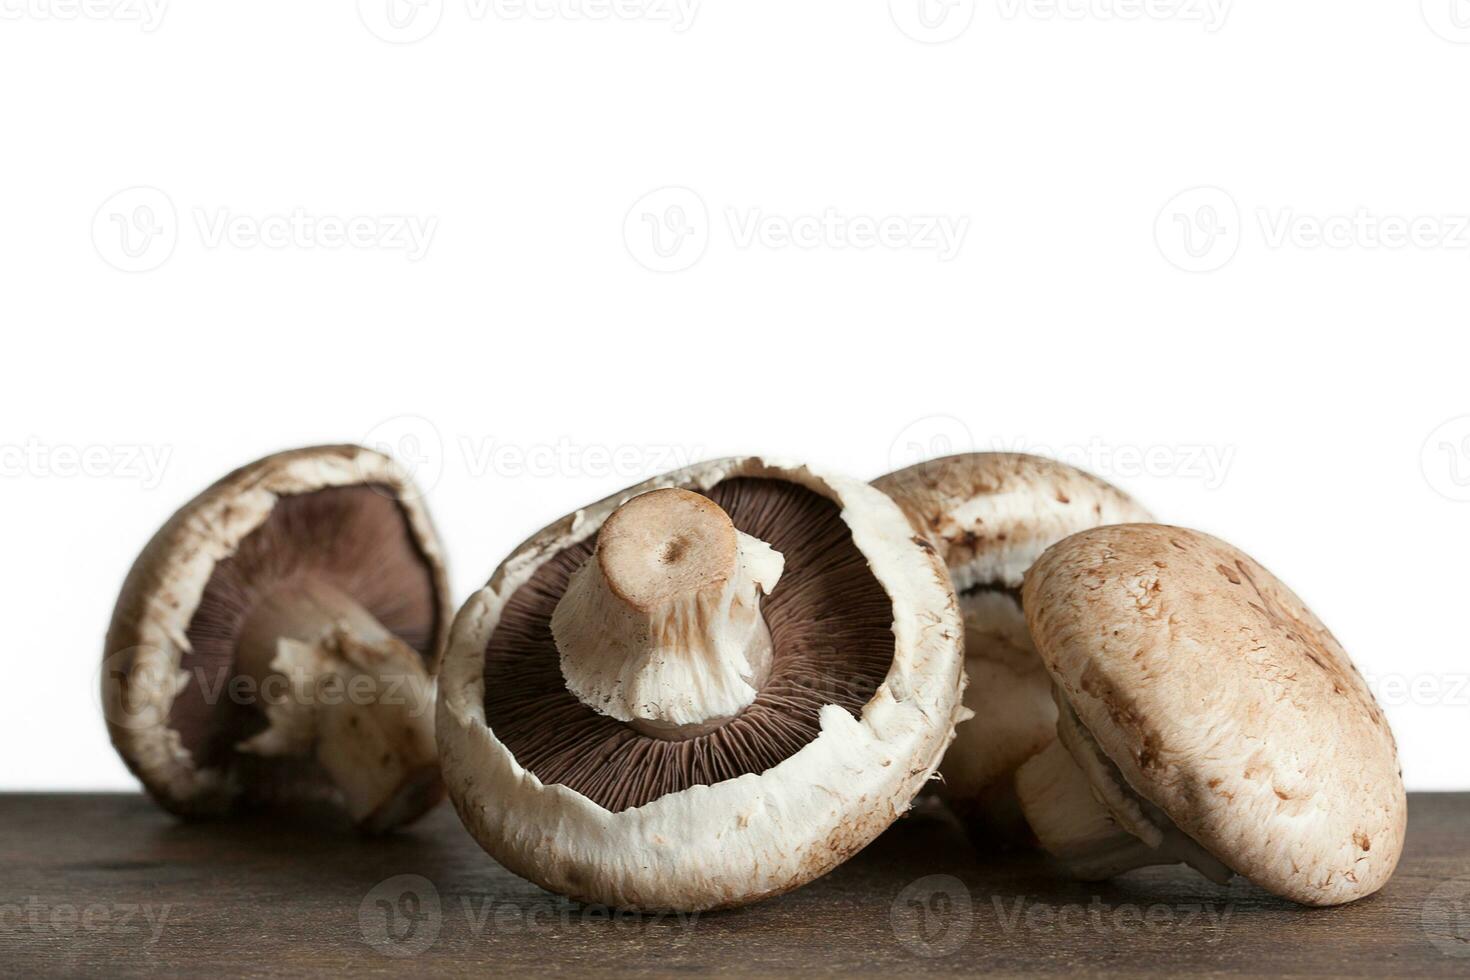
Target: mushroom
point(705, 690)
point(277, 639)
point(1206, 716)
point(989, 515)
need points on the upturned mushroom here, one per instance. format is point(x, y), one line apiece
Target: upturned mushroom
point(705, 690)
point(989, 516)
point(1207, 717)
point(277, 639)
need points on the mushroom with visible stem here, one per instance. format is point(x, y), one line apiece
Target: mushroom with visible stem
point(989, 516)
point(277, 639)
point(1205, 717)
point(707, 690)
point(663, 630)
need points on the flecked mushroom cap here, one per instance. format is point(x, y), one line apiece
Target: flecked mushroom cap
point(990, 515)
point(733, 840)
point(1226, 703)
point(148, 640)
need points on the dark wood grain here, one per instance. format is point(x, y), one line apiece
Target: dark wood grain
point(108, 885)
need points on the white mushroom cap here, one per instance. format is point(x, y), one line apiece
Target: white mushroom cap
point(1225, 703)
point(703, 838)
point(146, 676)
point(990, 515)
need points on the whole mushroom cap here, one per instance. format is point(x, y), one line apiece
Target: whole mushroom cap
point(344, 515)
point(1225, 702)
point(863, 694)
point(989, 516)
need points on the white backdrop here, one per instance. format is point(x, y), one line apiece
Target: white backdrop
point(1216, 252)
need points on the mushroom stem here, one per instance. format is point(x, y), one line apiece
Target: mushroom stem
point(336, 685)
point(661, 628)
point(1094, 841)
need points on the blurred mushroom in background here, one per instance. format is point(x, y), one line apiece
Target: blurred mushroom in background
point(989, 516)
point(277, 640)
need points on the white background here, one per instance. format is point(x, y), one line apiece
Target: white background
point(1279, 358)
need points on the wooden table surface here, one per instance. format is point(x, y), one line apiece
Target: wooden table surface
point(107, 885)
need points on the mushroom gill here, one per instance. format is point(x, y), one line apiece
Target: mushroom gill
point(830, 623)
